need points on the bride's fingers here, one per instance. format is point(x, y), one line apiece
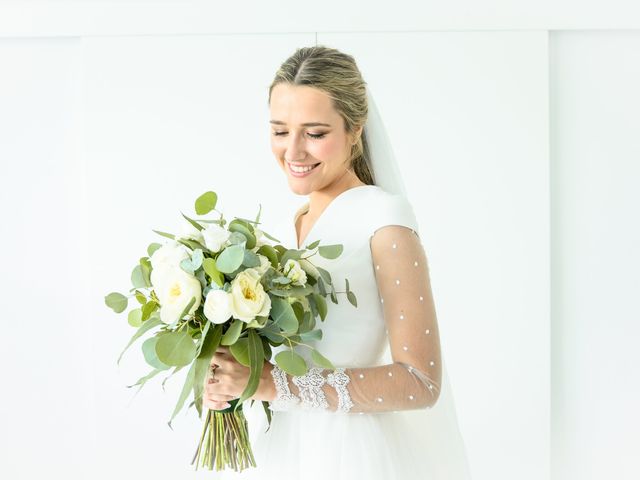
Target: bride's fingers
point(215, 405)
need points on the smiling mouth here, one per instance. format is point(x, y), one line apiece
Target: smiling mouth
point(305, 169)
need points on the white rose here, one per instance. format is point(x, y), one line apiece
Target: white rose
point(217, 306)
point(294, 271)
point(169, 255)
point(264, 264)
point(175, 290)
point(215, 237)
point(189, 232)
point(249, 300)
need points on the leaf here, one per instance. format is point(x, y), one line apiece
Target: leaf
point(233, 332)
point(164, 234)
point(140, 297)
point(230, 259)
point(150, 356)
point(116, 301)
point(330, 251)
point(237, 226)
point(175, 348)
point(271, 253)
point(240, 351)
point(203, 361)
point(206, 202)
point(146, 325)
point(197, 258)
point(250, 259)
point(352, 298)
point(312, 335)
point(135, 317)
point(321, 360)
point(152, 248)
point(283, 315)
point(195, 224)
point(326, 276)
point(148, 308)
point(137, 277)
point(188, 385)
point(291, 362)
point(334, 298)
point(141, 381)
point(256, 362)
point(209, 266)
point(321, 304)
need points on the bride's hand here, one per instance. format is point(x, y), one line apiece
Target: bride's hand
point(230, 380)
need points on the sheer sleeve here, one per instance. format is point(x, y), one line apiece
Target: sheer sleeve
point(413, 379)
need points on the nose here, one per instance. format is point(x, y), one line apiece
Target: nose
point(295, 149)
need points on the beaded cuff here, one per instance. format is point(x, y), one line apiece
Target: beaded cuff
point(284, 400)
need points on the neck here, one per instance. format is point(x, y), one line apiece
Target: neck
point(319, 199)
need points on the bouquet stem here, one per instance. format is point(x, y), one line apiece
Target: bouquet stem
point(225, 440)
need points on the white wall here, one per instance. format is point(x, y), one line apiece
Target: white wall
point(507, 136)
point(595, 171)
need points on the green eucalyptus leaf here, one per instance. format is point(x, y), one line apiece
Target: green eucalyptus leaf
point(195, 224)
point(149, 352)
point(148, 308)
point(135, 317)
point(330, 251)
point(141, 298)
point(230, 259)
point(250, 259)
point(186, 388)
point(175, 348)
point(152, 248)
point(137, 277)
point(283, 315)
point(237, 226)
point(321, 360)
point(326, 276)
point(146, 326)
point(116, 301)
point(197, 258)
point(271, 253)
point(321, 305)
point(203, 361)
point(209, 266)
point(240, 351)
point(291, 362)
point(164, 234)
point(256, 362)
point(233, 333)
point(312, 335)
point(206, 202)
point(144, 379)
point(352, 298)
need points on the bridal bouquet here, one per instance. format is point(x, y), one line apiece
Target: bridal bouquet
point(226, 284)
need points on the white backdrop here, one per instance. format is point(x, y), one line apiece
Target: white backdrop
point(104, 137)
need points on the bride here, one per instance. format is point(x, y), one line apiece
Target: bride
point(387, 411)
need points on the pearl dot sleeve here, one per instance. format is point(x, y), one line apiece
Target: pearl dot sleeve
point(413, 379)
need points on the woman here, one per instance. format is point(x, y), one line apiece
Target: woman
point(386, 412)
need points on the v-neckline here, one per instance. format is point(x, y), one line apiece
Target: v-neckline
point(329, 205)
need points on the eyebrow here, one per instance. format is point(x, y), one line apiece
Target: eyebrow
point(308, 124)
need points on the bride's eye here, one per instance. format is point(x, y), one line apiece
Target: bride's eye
point(312, 135)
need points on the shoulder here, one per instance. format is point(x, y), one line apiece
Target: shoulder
point(389, 209)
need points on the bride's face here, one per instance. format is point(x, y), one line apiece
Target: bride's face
point(307, 131)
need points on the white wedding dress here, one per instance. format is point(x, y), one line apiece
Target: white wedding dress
point(398, 421)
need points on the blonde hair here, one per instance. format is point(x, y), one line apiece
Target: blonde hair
point(336, 74)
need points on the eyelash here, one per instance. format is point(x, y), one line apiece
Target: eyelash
point(312, 135)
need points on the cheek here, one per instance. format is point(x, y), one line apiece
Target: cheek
point(327, 150)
